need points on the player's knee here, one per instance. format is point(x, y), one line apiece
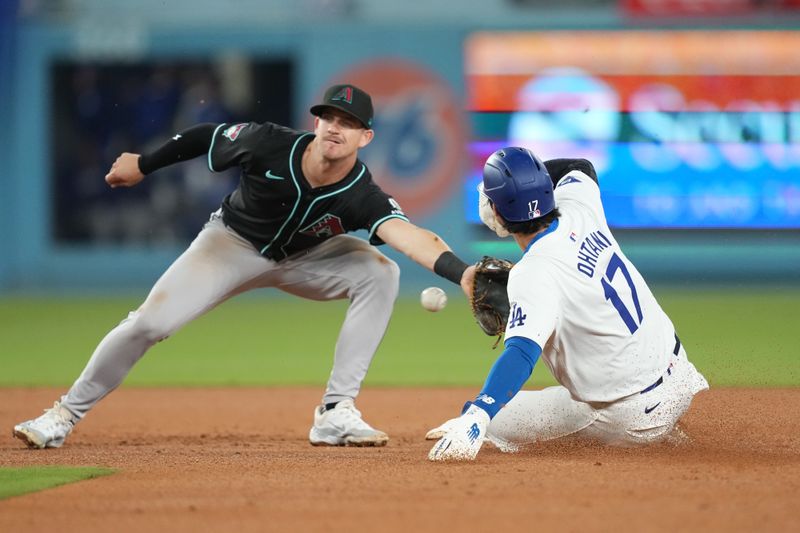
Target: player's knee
point(381, 274)
point(145, 325)
point(387, 273)
point(644, 436)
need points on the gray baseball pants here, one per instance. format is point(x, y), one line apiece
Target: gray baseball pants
point(220, 264)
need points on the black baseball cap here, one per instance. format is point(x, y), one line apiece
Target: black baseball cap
point(347, 98)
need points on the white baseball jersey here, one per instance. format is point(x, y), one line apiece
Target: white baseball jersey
point(602, 333)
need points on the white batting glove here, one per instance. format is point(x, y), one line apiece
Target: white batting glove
point(464, 437)
point(440, 431)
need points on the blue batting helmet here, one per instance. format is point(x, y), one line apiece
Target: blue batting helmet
point(517, 183)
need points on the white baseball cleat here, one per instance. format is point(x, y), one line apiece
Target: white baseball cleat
point(49, 430)
point(343, 426)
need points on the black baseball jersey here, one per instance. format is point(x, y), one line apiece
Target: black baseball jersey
point(275, 208)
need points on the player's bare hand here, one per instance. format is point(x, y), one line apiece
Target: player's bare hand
point(125, 171)
point(468, 280)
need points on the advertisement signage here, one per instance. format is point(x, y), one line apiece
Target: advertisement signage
point(686, 129)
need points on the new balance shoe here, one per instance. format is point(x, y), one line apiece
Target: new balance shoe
point(343, 426)
point(47, 431)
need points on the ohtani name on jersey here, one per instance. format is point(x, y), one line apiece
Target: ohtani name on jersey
point(590, 250)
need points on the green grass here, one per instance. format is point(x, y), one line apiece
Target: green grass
point(17, 481)
point(742, 337)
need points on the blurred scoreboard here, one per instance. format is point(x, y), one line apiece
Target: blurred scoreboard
point(687, 129)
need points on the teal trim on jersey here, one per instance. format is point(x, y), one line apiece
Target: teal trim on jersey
point(384, 219)
point(311, 205)
point(299, 194)
point(210, 148)
point(550, 229)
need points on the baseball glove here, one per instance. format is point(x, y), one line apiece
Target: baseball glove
point(489, 295)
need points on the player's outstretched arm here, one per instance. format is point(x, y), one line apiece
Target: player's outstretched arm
point(558, 168)
point(428, 250)
point(125, 171)
point(460, 439)
point(419, 244)
point(129, 169)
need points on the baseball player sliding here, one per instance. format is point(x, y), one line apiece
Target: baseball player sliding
point(577, 302)
point(284, 226)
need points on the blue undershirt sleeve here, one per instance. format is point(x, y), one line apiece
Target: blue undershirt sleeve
point(508, 374)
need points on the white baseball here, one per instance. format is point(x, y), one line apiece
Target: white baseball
point(433, 299)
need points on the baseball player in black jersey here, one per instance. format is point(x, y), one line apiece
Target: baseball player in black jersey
point(284, 226)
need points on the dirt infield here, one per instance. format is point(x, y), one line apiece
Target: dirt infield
point(238, 460)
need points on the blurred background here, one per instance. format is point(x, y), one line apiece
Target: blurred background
point(689, 110)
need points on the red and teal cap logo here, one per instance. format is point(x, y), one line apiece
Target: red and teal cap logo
point(347, 98)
